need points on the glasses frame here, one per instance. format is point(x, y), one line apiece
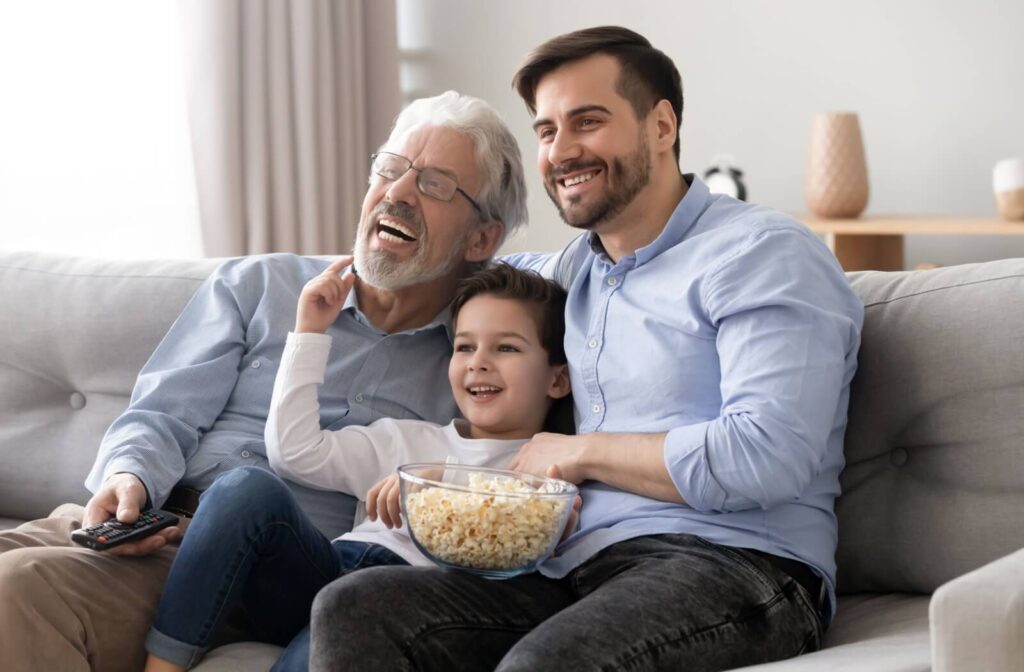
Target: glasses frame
point(419, 175)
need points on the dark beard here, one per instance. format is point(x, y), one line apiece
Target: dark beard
point(632, 174)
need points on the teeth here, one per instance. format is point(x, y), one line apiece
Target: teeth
point(579, 179)
point(390, 236)
point(483, 389)
point(397, 226)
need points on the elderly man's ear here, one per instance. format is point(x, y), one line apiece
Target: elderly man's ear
point(483, 241)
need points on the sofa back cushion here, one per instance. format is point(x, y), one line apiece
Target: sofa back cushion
point(74, 333)
point(934, 478)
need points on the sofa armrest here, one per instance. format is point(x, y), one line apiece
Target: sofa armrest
point(977, 620)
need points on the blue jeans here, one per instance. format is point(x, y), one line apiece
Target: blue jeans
point(662, 602)
point(250, 545)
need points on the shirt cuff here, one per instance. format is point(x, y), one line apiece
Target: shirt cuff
point(686, 458)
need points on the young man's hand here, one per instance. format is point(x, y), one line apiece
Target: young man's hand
point(385, 500)
point(323, 297)
point(123, 495)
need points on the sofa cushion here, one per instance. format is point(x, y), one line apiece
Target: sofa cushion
point(934, 478)
point(74, 333)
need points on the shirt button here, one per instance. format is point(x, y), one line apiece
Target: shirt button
point(246, 454)
point(596, 408)
point(359, 397)
point(613, 281)
point(593, 343)
point(256, 364)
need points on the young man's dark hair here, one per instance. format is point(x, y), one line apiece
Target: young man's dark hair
point(647, 75)
point(546, 301)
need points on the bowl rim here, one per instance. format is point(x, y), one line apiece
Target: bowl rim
point(571, 490)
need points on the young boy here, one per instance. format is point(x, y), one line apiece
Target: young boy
point(250, 545)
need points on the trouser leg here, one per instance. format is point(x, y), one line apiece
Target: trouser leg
point(64, 607)
point(248, 543)
point(382, 618)
point(672, 602)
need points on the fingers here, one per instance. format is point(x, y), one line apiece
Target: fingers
point(338, 264)
point(371, 500)
point(554, 471)
point(394, 502)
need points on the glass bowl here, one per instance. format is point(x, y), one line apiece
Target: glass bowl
point(491, 522)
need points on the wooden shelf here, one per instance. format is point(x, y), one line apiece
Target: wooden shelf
point(876, 243)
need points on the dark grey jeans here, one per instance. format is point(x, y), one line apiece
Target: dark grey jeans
point(664, 602)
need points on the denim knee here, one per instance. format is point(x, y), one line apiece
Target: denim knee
point(245, 490)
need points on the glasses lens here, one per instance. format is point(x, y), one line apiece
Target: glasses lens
point(390, 166)
point(436, 184)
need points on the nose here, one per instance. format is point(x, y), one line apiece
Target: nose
point(479, 361)
point(563, 147)
point(404, 189)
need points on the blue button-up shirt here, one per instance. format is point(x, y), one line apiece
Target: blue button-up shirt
point(736, 333)
point(200, 403)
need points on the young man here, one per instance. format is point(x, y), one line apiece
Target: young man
point(711, 346)
point(453, 189)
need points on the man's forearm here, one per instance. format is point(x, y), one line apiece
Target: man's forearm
point(631, 462)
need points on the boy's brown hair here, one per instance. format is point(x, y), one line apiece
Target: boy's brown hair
point(545, 299)
point(647, 75)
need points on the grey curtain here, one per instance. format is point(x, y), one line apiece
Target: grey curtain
point(286, 100)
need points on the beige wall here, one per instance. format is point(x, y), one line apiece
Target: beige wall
point(939, 86)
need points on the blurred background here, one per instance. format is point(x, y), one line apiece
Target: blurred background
point(213, 127)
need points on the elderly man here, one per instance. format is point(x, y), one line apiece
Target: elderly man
point(711, 344)
point(446, 188)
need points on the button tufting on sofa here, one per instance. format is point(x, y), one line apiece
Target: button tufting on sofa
point(899, 456)
point(77, 401)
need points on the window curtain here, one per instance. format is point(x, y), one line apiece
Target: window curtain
point(286, 100)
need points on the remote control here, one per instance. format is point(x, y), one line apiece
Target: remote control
point(112, 533)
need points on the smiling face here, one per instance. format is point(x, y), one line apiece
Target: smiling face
point(407, 238)
point(594, 155)
point(499, 372)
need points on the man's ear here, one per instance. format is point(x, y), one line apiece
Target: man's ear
point(666, 126)
point(483, 241)
point(561, 385)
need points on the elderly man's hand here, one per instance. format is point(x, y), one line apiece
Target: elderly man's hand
point(323, 297)
point(123, 495)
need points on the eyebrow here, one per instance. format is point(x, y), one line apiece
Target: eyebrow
point(575, 112)
point(503, 334)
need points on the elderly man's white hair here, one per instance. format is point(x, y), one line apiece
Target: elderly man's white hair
point(503, 192)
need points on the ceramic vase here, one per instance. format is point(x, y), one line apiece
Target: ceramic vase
point(836, 184)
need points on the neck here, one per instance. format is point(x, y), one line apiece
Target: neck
point(646, 216)
point(406, 308)
point(476, 432)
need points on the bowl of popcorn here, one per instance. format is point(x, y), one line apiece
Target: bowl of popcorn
point(491, 522)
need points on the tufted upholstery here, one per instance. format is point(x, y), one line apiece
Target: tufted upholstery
point(73, 335)
point(934, 478)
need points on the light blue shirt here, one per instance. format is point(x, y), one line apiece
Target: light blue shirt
point(200, 403)
point(735, 332)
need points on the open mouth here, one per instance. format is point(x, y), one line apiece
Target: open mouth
point(483, 391)
point(396, 232)
point(578, 178)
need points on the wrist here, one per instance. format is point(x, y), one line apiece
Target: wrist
point(588, 460)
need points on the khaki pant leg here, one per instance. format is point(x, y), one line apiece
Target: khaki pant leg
point(69, 608)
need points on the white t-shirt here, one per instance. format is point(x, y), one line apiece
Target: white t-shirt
point(355, 458)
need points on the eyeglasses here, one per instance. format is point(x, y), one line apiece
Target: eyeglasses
point(433, 182)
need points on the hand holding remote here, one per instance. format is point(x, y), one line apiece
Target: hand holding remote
point(123, 496)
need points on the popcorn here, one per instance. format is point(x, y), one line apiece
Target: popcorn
point(494, 528)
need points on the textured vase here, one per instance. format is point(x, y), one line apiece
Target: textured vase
point(836, 184)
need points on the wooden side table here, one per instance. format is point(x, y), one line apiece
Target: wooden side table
point(876, 243)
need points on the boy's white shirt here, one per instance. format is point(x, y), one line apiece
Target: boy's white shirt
point(355, 458)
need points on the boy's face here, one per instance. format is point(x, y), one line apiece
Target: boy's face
point(499, 371)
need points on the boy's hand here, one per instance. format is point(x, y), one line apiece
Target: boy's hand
point(384, 500)
point(323, 298)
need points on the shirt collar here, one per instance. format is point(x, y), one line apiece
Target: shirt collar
point(686, 214)
point(443, 319)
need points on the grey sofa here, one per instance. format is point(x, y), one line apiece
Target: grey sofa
point(931, 520)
